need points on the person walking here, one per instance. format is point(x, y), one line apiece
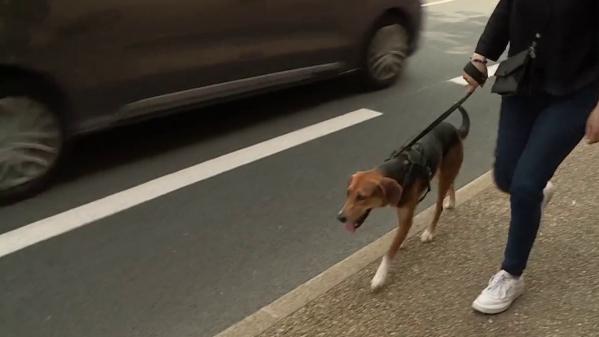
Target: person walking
point(541, 124)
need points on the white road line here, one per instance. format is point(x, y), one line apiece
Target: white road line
point(434, 3)
point(77, 217)
point(459, 80)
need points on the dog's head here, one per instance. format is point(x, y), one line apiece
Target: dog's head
point(366, 191)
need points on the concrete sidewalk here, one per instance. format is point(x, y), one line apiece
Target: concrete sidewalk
point(431, 286)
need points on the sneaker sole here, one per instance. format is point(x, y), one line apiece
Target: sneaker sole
point(492, 311)
point(489, 311)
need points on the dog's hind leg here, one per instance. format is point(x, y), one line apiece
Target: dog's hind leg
point(429, 233)
point(450, 201)
point(450, 167)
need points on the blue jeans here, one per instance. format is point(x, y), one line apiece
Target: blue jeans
point(535, 135)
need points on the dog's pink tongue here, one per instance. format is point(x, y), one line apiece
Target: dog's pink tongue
point(350, 227)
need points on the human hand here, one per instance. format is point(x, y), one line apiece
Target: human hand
point(480, 62)
point(592, 131)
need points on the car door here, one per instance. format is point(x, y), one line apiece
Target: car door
point(211, 47)
point(136, 53)
point(293, 34)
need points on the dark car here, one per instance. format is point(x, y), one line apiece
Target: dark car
point(72, 67)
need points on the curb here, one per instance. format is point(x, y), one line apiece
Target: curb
point(287, 304)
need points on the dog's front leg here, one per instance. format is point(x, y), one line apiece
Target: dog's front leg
point(404, 216)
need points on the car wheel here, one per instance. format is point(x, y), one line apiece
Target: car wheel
point(385, 55)
point(31, 143)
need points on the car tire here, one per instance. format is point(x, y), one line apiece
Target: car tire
point(32, 139)
point(385, 54)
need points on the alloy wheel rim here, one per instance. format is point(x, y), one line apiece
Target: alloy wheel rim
point(387, 52)
point(30, 141)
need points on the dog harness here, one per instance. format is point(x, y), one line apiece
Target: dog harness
point(414, 161)
point(419, 165)
point(414, 164)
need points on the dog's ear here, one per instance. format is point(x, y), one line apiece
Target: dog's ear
point(392, 191)
point(352, 178)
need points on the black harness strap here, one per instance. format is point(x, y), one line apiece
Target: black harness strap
point(419, 165)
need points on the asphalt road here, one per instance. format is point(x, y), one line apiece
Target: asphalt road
point(196, 260)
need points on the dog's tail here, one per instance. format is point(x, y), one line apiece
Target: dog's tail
point(464, 129)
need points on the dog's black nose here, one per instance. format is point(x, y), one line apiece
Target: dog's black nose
point(341, 217)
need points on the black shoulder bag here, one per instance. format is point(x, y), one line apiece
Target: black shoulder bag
point(513, 76)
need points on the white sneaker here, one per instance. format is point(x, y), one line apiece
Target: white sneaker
point(502, 291)
point(547, 194)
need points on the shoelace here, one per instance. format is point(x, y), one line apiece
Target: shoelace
point(498, 285)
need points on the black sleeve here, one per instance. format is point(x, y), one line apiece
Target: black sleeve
point(496, 36)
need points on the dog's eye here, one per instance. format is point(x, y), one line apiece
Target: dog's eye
point(360, 197)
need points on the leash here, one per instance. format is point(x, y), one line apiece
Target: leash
point(444, 115)
point(410, 144)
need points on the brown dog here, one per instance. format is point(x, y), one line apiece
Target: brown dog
point(402, 181)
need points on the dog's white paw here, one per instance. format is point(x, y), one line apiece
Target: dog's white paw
point(449, 204)
point(427, 236)
point(381, 275)
point(378, 281)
